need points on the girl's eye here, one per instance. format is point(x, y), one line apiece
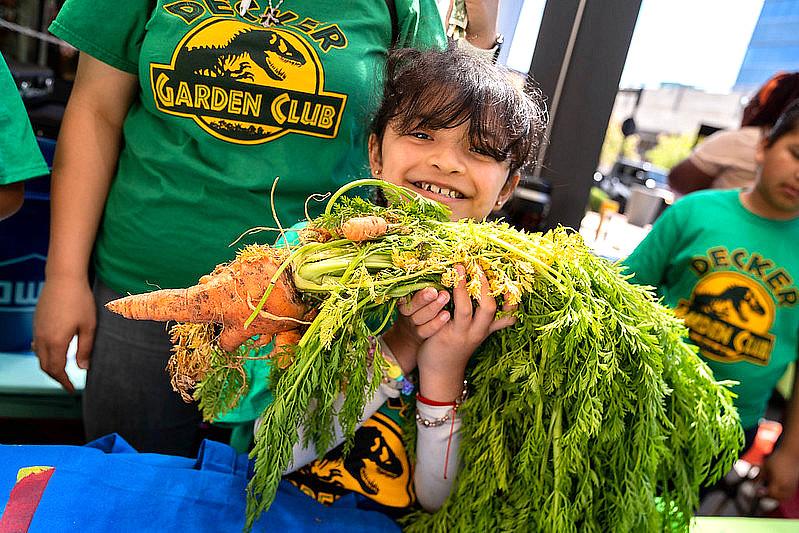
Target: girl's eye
point(480, 151)
point(420, 135)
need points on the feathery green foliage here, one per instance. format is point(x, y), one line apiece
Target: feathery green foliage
point(590, 414)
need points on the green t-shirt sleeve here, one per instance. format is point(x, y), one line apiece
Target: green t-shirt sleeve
point(259, 395)
point(420, 24)
point(20, 157)
point(650, 260)
point(108, 30)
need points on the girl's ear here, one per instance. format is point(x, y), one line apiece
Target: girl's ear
point(507, 190)
point(760, 151)
point(375, 156)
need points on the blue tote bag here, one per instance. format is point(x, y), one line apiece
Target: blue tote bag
point(108, 486)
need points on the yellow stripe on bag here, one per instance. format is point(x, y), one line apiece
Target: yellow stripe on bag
point(28, 470)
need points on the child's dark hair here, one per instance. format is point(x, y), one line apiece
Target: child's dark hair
point(771, 100)
point(444, 89)
point(786, 123)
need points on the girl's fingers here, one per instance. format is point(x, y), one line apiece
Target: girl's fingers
point(427, 330)
point(505, 321)
point(431, 310)
point(461, 298)
point(409, 305)
point(501, 323)
point(487, 308)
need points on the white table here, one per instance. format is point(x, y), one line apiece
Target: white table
point(617, 238)
point(26, 391)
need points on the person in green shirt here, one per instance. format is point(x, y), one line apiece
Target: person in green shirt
point(20, 158)
point(182, 116)
point(727, 263)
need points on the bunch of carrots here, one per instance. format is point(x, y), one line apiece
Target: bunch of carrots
point(590, 414)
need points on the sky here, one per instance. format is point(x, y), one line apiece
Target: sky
point(693, 42)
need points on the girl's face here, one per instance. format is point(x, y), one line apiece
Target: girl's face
point(442, 165)
point(776, 192)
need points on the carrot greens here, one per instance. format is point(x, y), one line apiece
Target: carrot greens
point(590, 414)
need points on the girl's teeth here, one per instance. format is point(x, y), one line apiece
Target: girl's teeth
point(439, 190)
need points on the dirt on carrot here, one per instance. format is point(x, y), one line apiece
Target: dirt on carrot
point(228, 296)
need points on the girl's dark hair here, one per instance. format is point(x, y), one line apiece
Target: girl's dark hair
point(786, 123)
point(771, 99)
point(443, 89)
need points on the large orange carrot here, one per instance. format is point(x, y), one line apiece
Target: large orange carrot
point(227, 296)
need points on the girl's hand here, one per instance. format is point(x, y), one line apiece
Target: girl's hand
point(442, 358)
point(781, 474)
point(420, 317)
point(423, 315)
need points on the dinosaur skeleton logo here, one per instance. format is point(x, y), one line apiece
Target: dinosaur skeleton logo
point(247, 84)
point(377, 467)
point(729, 317)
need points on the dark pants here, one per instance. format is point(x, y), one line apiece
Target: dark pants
point(127, 387)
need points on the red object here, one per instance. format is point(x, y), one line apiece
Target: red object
point(25, 498)
point(768, 431)
point(434, 403)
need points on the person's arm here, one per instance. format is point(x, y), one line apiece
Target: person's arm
point(686, 177)
point(420, 317)
point(442, 361)
point(481, 26)
point(86, 157)
point(11, 197)
point(303, 455)
point(781, 469)
point(20, 158)
point(650, 259)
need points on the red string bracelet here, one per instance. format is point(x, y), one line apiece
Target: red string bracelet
point(434, 423)
point(433, 403)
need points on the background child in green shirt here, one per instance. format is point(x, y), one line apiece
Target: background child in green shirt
point(727, 263)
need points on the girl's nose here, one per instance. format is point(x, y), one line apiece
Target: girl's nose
point(448, 160)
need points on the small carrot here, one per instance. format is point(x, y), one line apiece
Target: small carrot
point(227, 296)
point(359, 229)
point(285, 345)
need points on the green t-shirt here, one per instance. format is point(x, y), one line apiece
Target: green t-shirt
point(20, 158)
point(259, 394)
point(732, 276)
point(225, 106)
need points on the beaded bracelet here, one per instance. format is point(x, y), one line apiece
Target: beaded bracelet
point(437, 422)
point(392, 375)
point(434, 423)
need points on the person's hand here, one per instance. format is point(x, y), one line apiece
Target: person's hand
point(780, 474)
point(423, 315)
point(420, 317)
point(442, 358)
point(65, 308)
point(481, 28)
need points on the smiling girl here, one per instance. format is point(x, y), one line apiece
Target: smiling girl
point(456, 129)
point(727, 262)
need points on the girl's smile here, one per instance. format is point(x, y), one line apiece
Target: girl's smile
point(442, 165)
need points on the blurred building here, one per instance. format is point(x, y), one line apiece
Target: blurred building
point(774, 45)
point(674, 109)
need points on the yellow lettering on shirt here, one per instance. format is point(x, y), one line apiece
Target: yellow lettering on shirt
point(778, 281)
